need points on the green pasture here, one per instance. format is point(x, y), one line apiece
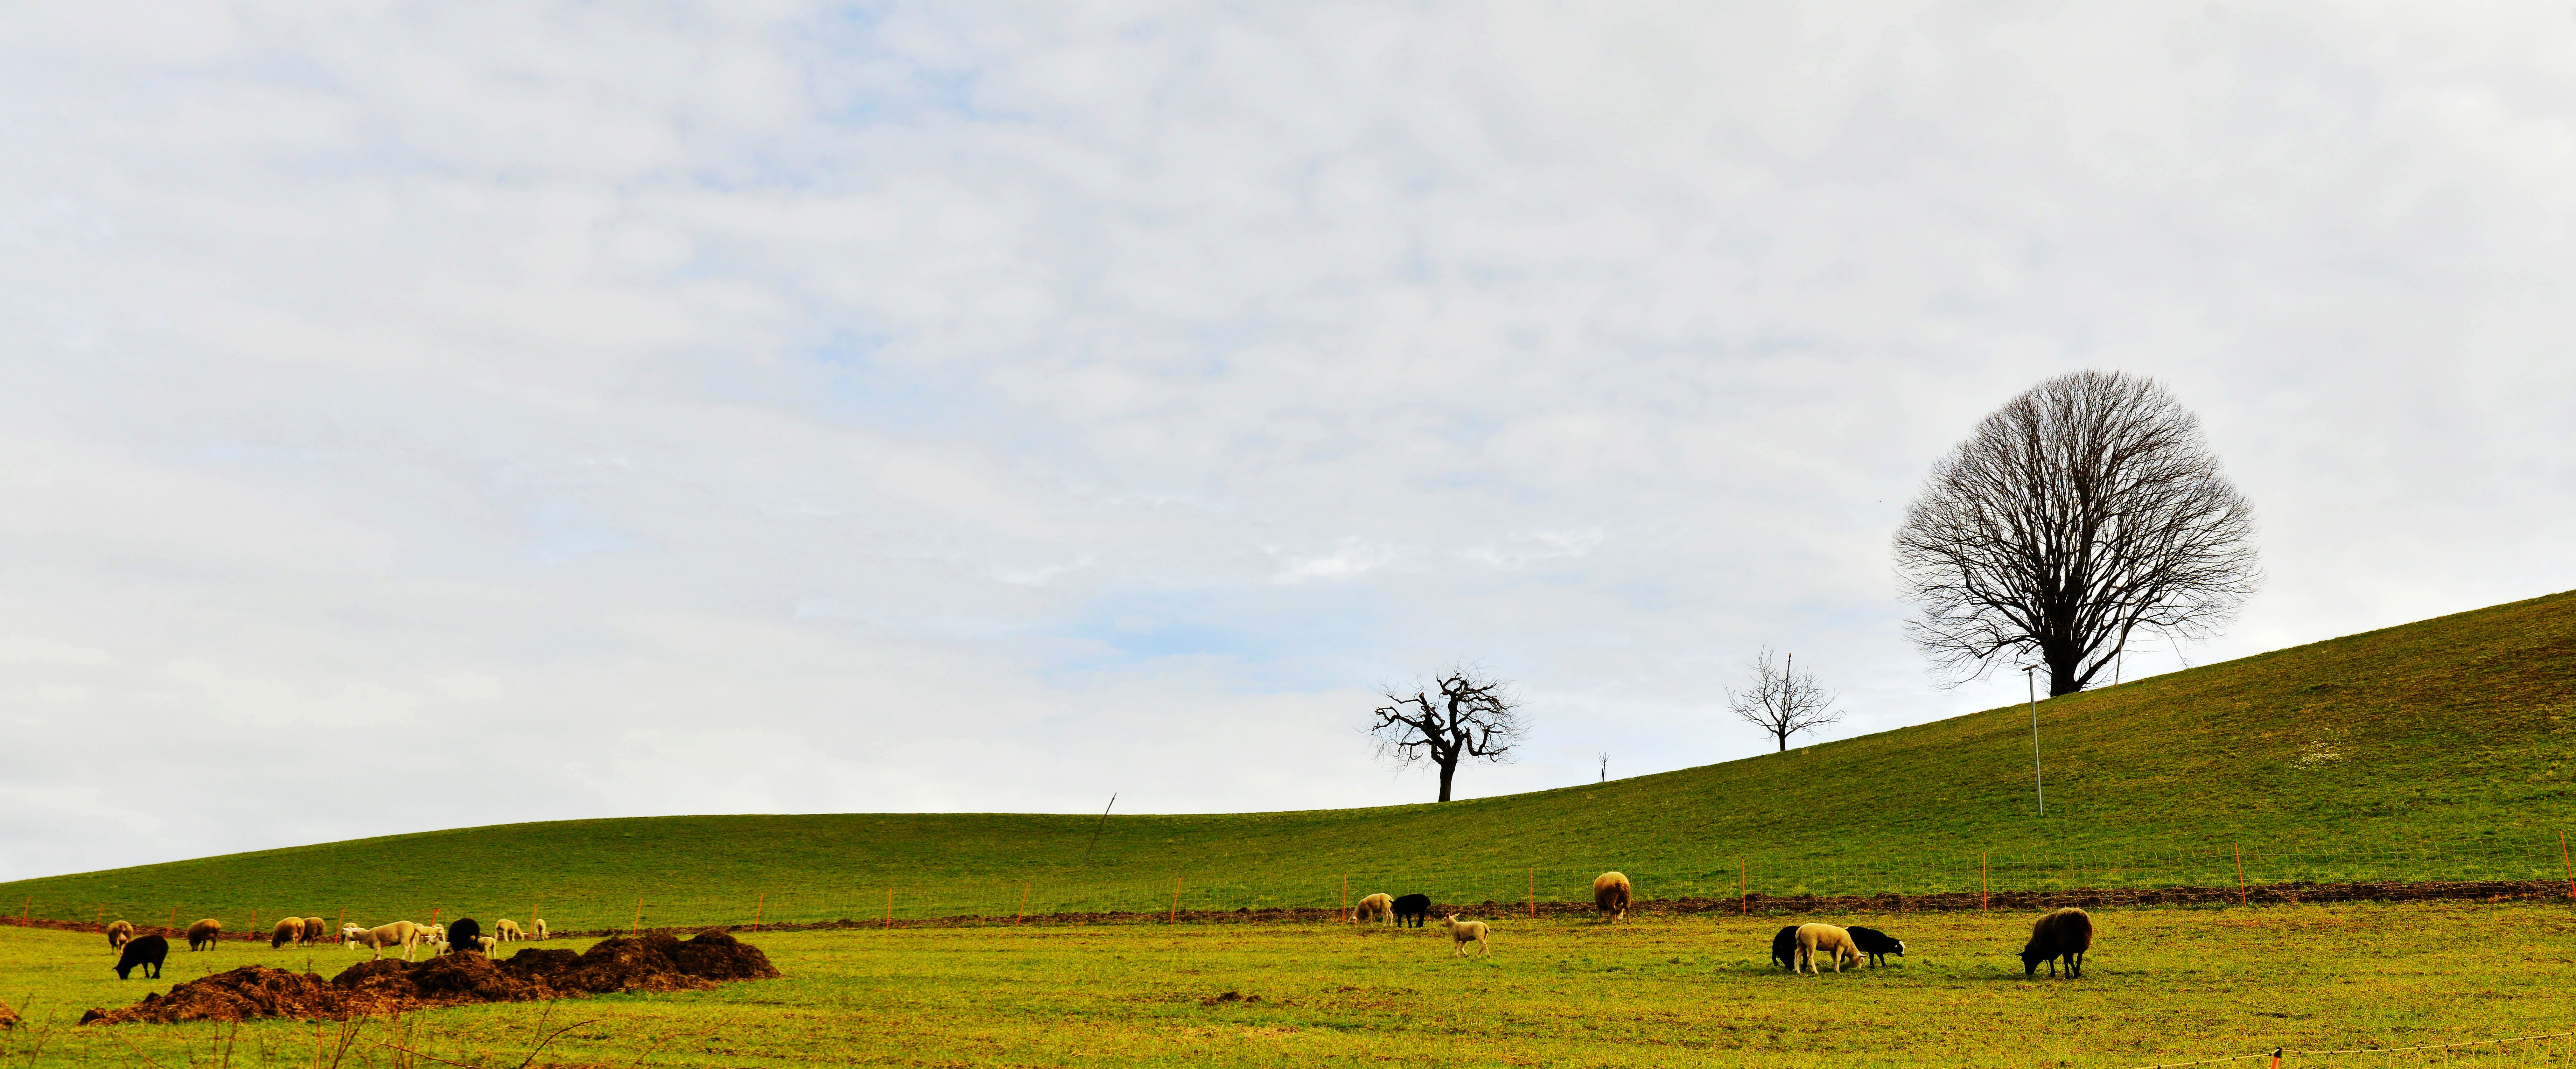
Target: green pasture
point(2435, 750)
point(2164, 985)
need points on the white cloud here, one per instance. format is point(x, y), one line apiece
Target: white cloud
point(807, 407)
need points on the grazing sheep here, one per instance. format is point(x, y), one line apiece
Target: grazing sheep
point(290, 930)
point(537, 928)
point(1827, 938)
point(1784, 947)
point(1462, 933)
point(119, 934)
point(485, 944)
point(1414, 908)
point(147, 951)
point(1378, 907)
point(464, 933)
point(507, 930)
point(403, 934)
point(314, 930)
point(1610, 895)
point(1876, 944)
point(2066, 933)
point(203, 934)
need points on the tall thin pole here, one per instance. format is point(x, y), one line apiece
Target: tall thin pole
point(1175, 918)
point(2571, 865)
point(1095, 829)
point(1023, 914)
point(759, 910)
point(1743, 904)
point(2240, 877)
point(1981, 879)
point(2038, 789)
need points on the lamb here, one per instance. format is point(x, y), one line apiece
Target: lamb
point(1379, 907)
point(119, 934)
point(485, 944)
point(537, 928)
point(1784, 947)
point(404, 934)
point(1414, 908)
point(1462, 933)
point(290, 930)
point(1825, 937)
point(1610, 895)
point(313, 930)
point(203, 934)
point(1876, 944)
point(2066, 933)
point(148, 952)
point(466, 934)
point(507, 930)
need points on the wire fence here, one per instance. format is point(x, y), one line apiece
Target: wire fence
point(1954, 879)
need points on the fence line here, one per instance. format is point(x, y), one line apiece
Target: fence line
point(2238, 871)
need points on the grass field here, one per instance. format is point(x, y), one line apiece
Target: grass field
point(2164, 985)
point(2441, 749)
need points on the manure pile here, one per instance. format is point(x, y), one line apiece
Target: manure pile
point(652, 963)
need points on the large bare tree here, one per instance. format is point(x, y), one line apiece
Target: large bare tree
point(2083, 513)
point(1462, 713)
point(1783, 700)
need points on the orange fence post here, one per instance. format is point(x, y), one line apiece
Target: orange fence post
point(173, 929)
point(2571, 866)
point(253, 934)
point(759, 910)
point(1024, 903)
point(344, 916)
point(1533, 892)
point(889, 917)
point(1981, 880)
point(637, 928)
point(102, 907)
point(1175, 918)
point(2240, 875)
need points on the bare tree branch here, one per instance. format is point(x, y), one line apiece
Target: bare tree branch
point(1783, 700)
point(1461, 713)
point(2080, 513)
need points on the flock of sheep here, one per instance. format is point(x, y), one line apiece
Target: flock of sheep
point(2062, 935)
point(148, 952)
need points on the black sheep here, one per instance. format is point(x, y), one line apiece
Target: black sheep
point(1876, 944)
point(1784, 947)
point(1412, 908)
point(465, 935)
point(2066, 933)
point(148, 951)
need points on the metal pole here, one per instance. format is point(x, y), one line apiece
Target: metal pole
point(2038, 788)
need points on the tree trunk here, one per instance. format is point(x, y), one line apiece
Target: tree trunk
point(1448, 768)
point(2061, 674)
point(1783, 736)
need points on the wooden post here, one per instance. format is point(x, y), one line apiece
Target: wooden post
point(2240, 875)
point(637, 928)
point(889, 917)
point(2571, 866)
point(173, 929)
point(253, 934)
point(759, 910)
point(1024, 903)
point(1175, 918)
point(28, 908)
point(1981, 880)
point(1533, 874)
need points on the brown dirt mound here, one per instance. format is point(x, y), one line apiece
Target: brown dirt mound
point(652, 963)
point(8, 1017)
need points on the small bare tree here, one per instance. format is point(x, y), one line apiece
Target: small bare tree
point(1783, 700)
point(2083, 511)
point(1462, 713)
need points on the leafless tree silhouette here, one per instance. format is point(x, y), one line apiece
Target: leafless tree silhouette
point(1783, 700)
point(2085, 510)
point(1461, 713)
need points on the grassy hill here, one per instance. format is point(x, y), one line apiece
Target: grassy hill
point(2439, 749)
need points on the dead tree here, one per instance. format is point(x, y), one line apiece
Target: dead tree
point(2084, 511)
point(1461, 714)
point(1783, 700)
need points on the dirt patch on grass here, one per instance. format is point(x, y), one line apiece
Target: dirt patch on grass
point(371, 988)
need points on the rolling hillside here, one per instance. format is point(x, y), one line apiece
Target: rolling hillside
point(2439, 749)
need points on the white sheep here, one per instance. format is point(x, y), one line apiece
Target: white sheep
point(507, 930)
point(538, 926)
point(1379, 907)
point(1463, 932)
point(404, 934)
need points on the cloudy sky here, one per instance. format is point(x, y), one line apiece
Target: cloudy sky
point(428, 415)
